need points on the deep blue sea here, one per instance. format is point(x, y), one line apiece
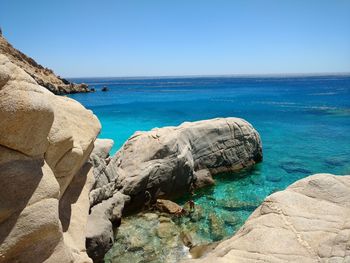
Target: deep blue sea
point(304, 123)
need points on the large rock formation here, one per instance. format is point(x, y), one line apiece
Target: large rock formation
point(43, 76)
point(166, 163)
point(307, 222)
point(46, 182)
point(45, 141)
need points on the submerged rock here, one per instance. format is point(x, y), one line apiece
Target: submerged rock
point(217, 227)
point(167, 230)
point(307, 222)
point(336, 161)
point(105, 88)
point(147, 237)
point(294, 168)
point(236, 205)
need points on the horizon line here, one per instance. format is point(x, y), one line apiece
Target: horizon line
point(247, 75)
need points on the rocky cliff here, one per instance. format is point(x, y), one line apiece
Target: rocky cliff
point(54, 202)
point(45, 141)
point(43, 76)
point(307, 222)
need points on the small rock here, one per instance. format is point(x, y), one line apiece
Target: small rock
point(164, 219)
point(168, 206)
point(102, 147)
point(202, 250)
point(166, 230)
point(186, 239)
point(203, 178)
point(150, 216)
point(217, 227)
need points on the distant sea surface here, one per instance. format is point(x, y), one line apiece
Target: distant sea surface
point(304, 123)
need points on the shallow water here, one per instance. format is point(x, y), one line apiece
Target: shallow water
point(304, 123)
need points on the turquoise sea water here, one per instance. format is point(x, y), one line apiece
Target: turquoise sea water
point(304, 123)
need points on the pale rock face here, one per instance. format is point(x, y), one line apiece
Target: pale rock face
point(307, 222)
point(44, 142)
point(26, 119)
point(28, 188)
point(74, 210)
point(102, 147)
point(165, 161)
point(71, 139)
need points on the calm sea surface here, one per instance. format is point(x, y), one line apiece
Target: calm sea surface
point(304, 123)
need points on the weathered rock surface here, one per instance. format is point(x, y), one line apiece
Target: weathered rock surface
point(45, 141)
point(104, 186)
point(307, 222)
point(99, 237)
point(165, 161)
point(43, 76)
point(102, 147)
point(168, 206)
point(106, 203)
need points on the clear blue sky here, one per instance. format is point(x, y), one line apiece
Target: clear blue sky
point(181, 37)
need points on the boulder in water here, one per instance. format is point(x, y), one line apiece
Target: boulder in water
point(167, 162)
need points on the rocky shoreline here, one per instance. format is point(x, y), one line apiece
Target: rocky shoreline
point(163, 163)
point(62, 195)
